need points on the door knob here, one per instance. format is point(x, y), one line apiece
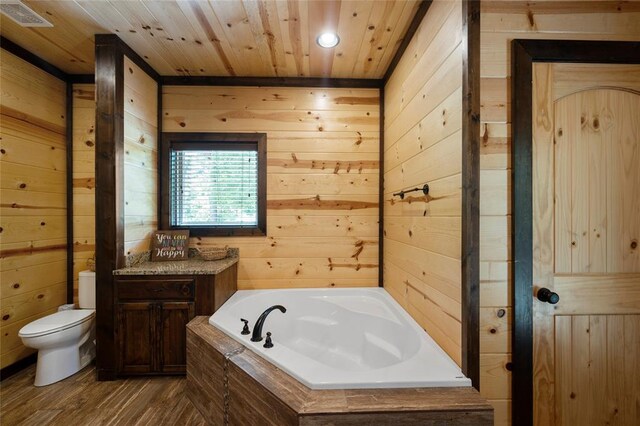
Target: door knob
point(546, 295)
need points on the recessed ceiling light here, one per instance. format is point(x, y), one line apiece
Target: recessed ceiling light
point(328, 40)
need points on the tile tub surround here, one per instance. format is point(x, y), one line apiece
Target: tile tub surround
point(192, 266)
point(260, 392)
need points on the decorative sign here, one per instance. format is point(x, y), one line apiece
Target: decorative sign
point(169, 245)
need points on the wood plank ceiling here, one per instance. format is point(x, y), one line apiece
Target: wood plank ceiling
point(265, 38)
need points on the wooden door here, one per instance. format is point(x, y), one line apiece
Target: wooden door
point(586, 231)
point(136, 328)
point(172, 336)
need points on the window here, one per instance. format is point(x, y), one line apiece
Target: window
point(214, 183)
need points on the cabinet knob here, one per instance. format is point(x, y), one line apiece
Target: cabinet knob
point(546, 295)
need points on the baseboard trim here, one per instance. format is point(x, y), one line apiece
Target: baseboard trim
point(105, 375)
point(18, 366)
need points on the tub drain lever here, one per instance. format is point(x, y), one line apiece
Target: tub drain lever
point(268, 343)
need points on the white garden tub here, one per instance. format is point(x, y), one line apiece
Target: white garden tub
point(341, 339)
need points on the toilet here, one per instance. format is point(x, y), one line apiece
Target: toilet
point(65, 340)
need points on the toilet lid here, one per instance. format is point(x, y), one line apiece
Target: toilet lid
point(56, 322)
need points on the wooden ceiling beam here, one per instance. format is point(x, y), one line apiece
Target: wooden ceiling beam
point(351, 83)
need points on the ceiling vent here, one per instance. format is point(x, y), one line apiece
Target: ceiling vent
point(22, 14)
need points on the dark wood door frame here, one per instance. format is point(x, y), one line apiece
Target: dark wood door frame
point(524, 53)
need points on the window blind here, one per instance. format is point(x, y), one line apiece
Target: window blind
point(214, 187)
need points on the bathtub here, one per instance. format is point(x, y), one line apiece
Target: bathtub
point(341, 339)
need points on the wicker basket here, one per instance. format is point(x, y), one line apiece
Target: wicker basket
point(213, 253)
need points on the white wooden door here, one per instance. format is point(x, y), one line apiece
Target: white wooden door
point(586, 232)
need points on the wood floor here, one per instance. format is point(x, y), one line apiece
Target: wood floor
point(81, 400)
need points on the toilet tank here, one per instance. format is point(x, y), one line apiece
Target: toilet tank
point(87, 290)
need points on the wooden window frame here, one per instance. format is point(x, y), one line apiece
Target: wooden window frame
point(221, 141)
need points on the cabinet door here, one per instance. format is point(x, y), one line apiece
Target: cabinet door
point(173, 318)
point(136, 328)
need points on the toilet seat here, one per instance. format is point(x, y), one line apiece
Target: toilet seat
point(56, 322)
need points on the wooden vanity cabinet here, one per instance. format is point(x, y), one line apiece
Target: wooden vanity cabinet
point(152, 312)
point(152, 337)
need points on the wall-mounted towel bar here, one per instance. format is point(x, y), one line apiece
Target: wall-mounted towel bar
point(424, 189)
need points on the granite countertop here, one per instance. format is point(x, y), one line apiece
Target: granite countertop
point(191, 266)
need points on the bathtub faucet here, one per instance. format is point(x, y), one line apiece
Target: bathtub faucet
point(256, 336)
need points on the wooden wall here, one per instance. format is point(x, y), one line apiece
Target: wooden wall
point(500, 23)
point(423, 143)
point(140, 160)
point(84, 182)
point(33, 191)
point(322, 179)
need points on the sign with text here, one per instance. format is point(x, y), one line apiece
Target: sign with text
point(170, 245)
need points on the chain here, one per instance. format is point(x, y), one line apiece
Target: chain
point(226, 394)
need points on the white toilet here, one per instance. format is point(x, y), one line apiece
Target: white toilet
point(65, 340)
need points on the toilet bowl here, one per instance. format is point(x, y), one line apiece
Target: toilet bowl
point(65, 340)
